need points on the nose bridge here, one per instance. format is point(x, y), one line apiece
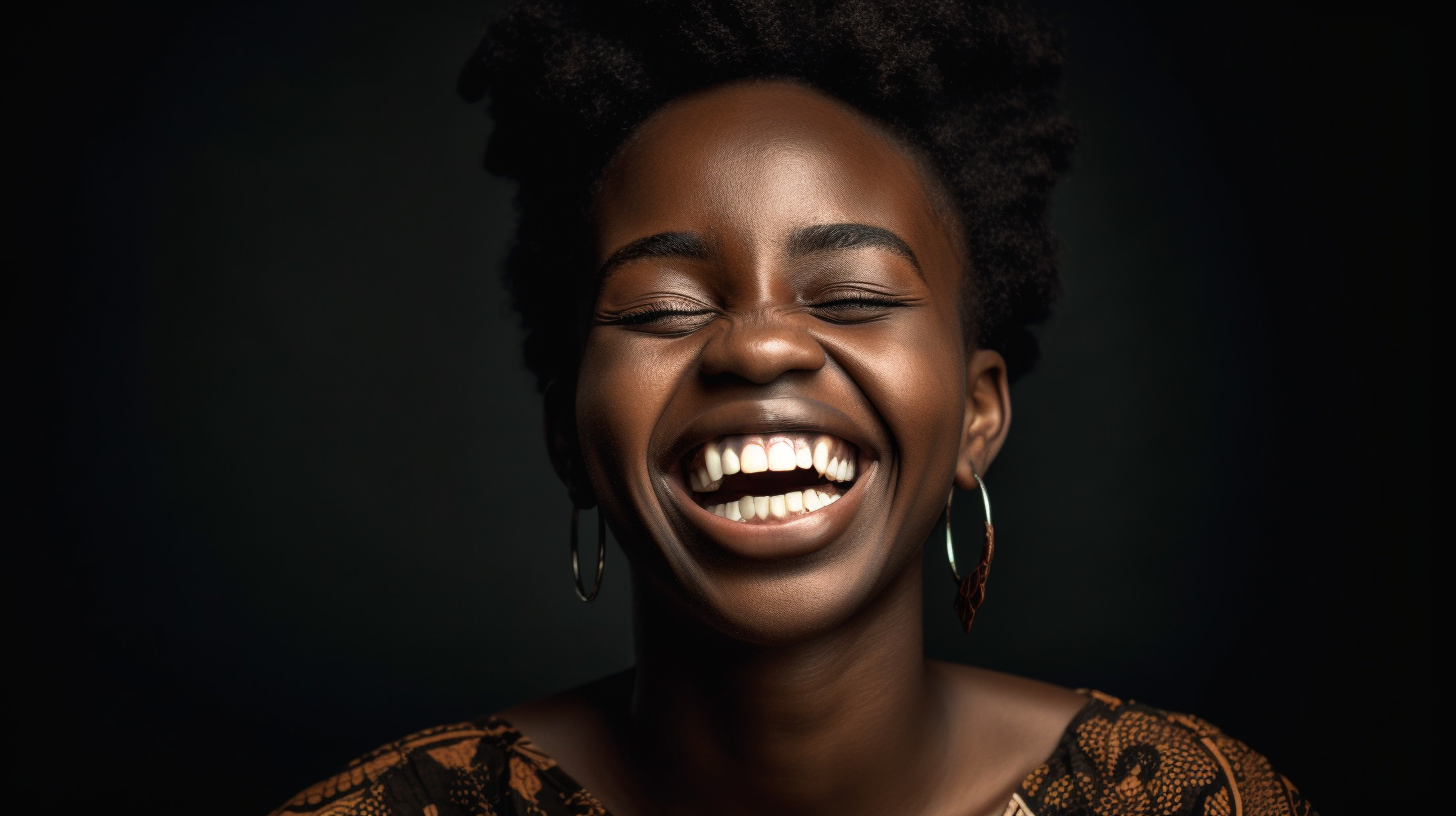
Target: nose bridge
point(762, 343)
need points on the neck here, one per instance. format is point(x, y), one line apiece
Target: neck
point(845, 722)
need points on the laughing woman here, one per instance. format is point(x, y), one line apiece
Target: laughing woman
point(777, 262)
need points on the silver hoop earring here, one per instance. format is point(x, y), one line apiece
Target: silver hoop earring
point(601, 555)
point(971, 589)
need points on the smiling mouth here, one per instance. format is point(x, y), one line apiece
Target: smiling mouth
point(766, 478)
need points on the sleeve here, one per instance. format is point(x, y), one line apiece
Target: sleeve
point(417, 774)
point(475, 769)
point(1126, 759)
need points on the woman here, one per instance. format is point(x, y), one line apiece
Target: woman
point(777, 264)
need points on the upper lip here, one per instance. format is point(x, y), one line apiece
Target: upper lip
point(768, 416)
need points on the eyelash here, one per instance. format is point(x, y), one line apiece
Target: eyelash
point(859, 302)
point(651, 313)
point(867, 305)
point(659, 311)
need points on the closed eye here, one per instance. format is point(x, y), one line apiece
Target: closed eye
point(666, 317)
point(856, 309)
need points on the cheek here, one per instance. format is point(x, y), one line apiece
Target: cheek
point(623, 389)
point(922, 382)
point(915, 379)
point(929, 412)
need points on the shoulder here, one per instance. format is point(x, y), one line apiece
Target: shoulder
point(483, 766)
point(1123, 757)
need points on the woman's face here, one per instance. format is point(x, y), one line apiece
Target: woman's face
point(774, 393)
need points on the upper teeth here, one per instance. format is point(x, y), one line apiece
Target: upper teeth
point(828, 456)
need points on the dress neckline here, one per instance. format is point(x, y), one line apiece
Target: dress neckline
point(1016, 806)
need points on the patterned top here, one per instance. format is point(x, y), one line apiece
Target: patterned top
point(1116, 758)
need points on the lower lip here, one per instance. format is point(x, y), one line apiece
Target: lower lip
point(776, 538)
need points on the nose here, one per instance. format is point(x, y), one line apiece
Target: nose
point(761, 348)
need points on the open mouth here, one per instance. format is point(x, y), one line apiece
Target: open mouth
point(770, 477)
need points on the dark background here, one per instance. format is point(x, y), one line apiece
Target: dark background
point(279, 493)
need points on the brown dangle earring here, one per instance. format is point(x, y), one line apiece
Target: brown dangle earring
point(971, 589)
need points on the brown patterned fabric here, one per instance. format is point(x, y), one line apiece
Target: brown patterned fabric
point(483, 768)
point(1125, 759)
point(1116, 758)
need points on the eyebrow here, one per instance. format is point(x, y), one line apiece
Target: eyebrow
point(805, 241)
point(838, 237)
point(661, 245)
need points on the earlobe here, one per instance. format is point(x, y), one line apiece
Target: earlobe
point(987, 417)
point(562, 444)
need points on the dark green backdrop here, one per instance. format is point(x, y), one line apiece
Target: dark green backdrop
point(280, 493)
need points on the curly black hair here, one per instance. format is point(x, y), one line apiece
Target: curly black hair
point(973, 87)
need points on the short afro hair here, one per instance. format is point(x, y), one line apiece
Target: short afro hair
point(974, 87)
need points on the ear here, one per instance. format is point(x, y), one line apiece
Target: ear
point(562, 444)
point(988, 415)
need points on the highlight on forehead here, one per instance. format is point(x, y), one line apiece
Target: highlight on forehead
point(935, 187)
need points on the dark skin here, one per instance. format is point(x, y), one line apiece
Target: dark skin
point(780, 666)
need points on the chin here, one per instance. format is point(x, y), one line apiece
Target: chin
point(779, 603)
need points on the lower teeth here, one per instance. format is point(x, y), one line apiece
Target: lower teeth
point(762, 508)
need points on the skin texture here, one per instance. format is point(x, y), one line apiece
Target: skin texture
point(780, 667)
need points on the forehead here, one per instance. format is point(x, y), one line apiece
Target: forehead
point(758, 160)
